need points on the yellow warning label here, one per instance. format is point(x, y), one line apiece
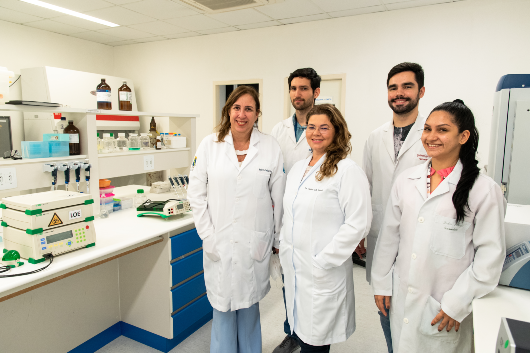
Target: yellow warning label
point(55, 221)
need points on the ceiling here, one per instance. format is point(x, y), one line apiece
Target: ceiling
point(154, 20)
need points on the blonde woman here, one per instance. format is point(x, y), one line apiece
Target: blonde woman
point(236, 189)
point(327, 211)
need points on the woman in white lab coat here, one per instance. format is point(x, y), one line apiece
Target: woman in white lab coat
point(441, 244)
point(327, 211)
point(236, 189)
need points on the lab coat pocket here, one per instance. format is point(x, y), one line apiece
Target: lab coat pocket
point(261, 184)
point(209, 248)
point(432, 308)
point(260, 244)
point(448, 238)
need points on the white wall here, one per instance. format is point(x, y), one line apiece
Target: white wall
point(24, 47)
point(464, 47)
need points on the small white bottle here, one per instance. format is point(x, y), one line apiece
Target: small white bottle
point(60, 125)
point(140, 198)
point(122, 142)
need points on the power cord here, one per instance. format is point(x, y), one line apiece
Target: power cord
point(46, 256)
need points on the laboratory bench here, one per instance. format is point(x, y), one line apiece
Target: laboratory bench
point(502, 302)
point(143, 279)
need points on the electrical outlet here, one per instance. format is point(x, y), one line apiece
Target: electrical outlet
point(8, 178)
point(149, 162)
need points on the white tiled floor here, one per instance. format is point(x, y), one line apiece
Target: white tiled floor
point(368, 336)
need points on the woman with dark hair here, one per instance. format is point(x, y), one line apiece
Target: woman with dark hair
point(441, 244)
point(327, 211)
point(236, 190)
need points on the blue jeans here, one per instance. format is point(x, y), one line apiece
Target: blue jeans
point(286, 327)
point(385, 324)
point(236, 331)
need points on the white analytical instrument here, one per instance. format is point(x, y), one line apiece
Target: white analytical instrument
point(513, 336)
point(509, 144)
point(51, 222)
point(516, 268)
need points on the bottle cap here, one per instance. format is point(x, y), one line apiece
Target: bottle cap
point(98, 134)
point(111, 134)
point(140, 191)
point(124, 82)
point(69, 121)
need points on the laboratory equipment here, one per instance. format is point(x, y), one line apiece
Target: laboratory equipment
point(75, 145)
point(160, 187)
point(158, 144)
point(99, 142)
point(126, 202)
point(6, 142)
point(513, 336)
point(59, 144)
point(125, 97)
point(63, 167)
point(11, 258)
point(509, 143)
point(75, 166)
point(152, 133)
point(140, 198)
point(52, 168)
point(116, 205)
point(51, 222)
point(35, 149)
point(144, 141)
point(86, 166)
point(108, 143)
point(164, 209)
point(6, 77)
point(516, 268)
point(103, 95)
point(104, 183)
point(178, 141)
point(134, 142)
point(61, 125)
point(106, 191)
point(122, 144)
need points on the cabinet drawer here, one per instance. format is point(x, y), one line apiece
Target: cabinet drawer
point(190, 290)
point(186, 267)
point(184, 243)
point(191, 314)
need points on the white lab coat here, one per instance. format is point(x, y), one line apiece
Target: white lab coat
point(322, 225)
point(427, 263)
point(237, 212)
point(292, 151)
point(382, 168)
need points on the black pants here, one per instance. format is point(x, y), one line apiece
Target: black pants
point(307, 348)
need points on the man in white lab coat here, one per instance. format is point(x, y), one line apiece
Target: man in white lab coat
point(304, 88)
point(392, 148)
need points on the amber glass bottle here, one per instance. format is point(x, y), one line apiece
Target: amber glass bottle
point(103, 95)
point(125, 97)
point(75, 143)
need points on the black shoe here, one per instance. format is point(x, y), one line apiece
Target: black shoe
point(288, 345)
point(357, 260)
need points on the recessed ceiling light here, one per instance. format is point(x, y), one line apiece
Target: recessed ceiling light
point(70, 12)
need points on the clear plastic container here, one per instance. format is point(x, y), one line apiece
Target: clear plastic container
point(134, 142)
point(35, 149)
point(140, 198)
point(145, 141)
point(122, 143)
point(126, 202)
point(109, 143)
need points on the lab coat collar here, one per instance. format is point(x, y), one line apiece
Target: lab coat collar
point(313, 170)
point(288, 123)
point(420, 174)
point(252, 149)
point(414, 135)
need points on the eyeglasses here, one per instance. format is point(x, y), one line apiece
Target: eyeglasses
point(323, 129)
point(12, 154)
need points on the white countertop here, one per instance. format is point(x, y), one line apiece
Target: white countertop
point(488, 311)
point(120, 232)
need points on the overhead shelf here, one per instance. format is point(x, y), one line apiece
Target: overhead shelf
point(27, 108)
point(39, 161)
point(149, 151)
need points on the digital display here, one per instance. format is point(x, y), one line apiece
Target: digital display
point(180, 207)
point(59, 236)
